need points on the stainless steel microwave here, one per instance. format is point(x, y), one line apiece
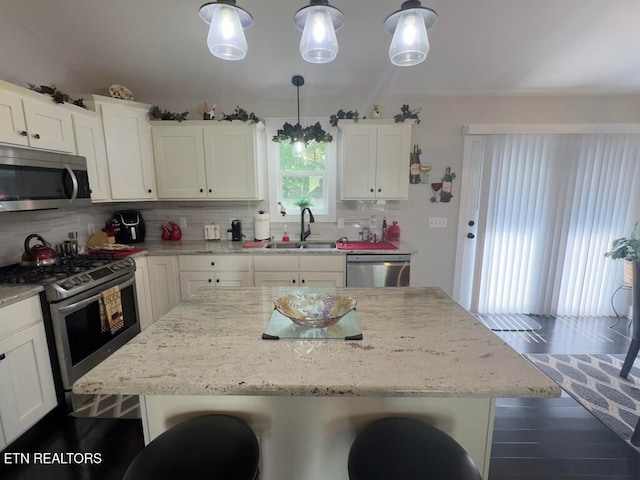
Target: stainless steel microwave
point(41, 180)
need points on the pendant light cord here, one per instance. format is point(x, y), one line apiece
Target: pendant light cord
point(298, 97)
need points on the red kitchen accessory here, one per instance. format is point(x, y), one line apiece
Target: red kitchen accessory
point(38, 255)
point(176, 232)
point(393, 232)
point(166, 232)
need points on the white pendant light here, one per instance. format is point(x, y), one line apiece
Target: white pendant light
point(318, 22)
point(409, 25)
point(227, 22)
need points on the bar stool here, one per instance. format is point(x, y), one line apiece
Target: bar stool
point(408, 449)
point(634, 347)
point(211, 446)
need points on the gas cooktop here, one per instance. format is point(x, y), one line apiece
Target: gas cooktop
point(70, 276)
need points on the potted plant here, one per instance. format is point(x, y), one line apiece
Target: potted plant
point(627, 249)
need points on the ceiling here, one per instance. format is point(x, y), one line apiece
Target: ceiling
point(157, 48)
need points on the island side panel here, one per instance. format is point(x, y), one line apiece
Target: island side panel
point(309, 437)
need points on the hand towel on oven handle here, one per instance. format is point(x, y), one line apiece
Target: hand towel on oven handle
point(111, 317)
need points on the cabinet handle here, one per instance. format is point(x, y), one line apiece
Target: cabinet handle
point(302, 281)
point(201, 190)
point(213, 263)
point(372, 190)
point(2, 356)
point(209, 190)
point(209, 280)
point(36, 135)
point(470, 235)
point(23, 133)
point(293, 281)
point(379, 190)
point(149, 190)
point(217, 280)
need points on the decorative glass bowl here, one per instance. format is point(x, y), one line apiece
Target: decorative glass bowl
point(314, 310)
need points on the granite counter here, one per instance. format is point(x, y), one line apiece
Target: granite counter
point(14, 293)
point(422, 355)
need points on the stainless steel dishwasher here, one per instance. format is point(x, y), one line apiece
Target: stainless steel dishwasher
point(378, 270)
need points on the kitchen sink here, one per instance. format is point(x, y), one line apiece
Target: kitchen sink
point(308, 245)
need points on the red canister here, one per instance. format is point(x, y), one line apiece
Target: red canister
point(393, 232)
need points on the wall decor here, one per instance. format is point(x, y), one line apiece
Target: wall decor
point(447, 181)
point(414, 165)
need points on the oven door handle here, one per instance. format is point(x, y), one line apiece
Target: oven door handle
point(83, 303)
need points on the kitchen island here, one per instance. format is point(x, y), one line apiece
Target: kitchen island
point(422, 355)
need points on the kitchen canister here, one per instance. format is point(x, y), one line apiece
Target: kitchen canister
point(262, 226)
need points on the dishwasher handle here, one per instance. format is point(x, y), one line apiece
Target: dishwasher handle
point(378, 259)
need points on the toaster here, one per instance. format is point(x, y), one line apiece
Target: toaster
point(131, 226)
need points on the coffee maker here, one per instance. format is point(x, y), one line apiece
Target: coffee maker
point(236, 230)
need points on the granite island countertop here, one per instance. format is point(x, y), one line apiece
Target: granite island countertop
point(14, 293)
point(417, 342)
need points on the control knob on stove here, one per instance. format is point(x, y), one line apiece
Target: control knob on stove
point(68, 284)
point(76, 280)
point(115, 266)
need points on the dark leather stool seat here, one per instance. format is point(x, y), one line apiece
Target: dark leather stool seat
point(208, 447)
point(408, 449)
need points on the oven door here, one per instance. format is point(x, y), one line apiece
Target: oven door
point(80, 342)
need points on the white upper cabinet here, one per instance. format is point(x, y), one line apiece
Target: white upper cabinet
point(127, 134)
point(207, 160)
point(89, 135)
point(28, 120)
point(375, 160)
point(179, 158)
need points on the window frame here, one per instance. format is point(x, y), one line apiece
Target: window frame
point(274, 174)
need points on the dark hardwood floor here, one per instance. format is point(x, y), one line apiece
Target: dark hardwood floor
point(533, 439)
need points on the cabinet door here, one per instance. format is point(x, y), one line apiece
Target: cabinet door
point(89, 137)
point(27, 393)
point(233, 279)
point(13, 128)
point(49, 126)
point(392, 164)
point(231, 162)
point(322, 279)
point(358, 160)
point(191, 281)
point(143, 293)
point(276, 279)
point(129, 153)
point(164, 284)
point(179, 160)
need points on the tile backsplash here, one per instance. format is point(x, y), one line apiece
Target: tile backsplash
point(55, 225)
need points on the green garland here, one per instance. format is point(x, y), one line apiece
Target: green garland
point(240, 114)
point(342, 115)
point(156, 114)
point(291, 133)
point(407, 114)
point(57, 95)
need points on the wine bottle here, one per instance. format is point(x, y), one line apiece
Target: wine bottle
point(414, 166)
point(447, 180)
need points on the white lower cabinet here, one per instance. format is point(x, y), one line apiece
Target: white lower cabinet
point(221, 270)
point(27, 393)
point(143, 293)
point(299, 270)
point(163, 283)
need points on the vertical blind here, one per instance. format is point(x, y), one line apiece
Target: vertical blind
point(553, 204)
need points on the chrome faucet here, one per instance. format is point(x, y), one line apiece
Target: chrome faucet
point(305, 233)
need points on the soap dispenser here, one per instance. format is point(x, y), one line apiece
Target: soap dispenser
point(285, 234)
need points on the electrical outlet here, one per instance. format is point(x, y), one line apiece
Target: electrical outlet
point(341, 223)
point(373, 222)
point(91, 228)
point(183, 222)
point(437, 222)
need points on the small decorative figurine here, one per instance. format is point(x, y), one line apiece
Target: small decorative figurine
point(283, 211)
point(208, 113)
point(375, 111)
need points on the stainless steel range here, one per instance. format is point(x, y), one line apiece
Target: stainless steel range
point(71, 308)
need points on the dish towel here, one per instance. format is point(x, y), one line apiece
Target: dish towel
point(111, 317)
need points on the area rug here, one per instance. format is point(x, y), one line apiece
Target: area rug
point(594, 382)
point(509, 322)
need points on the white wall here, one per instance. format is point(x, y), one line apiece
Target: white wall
point(439, 135)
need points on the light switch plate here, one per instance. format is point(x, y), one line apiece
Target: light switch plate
point(373, 222)
point(437, 222)
point(183, 222)
point(341, 223)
